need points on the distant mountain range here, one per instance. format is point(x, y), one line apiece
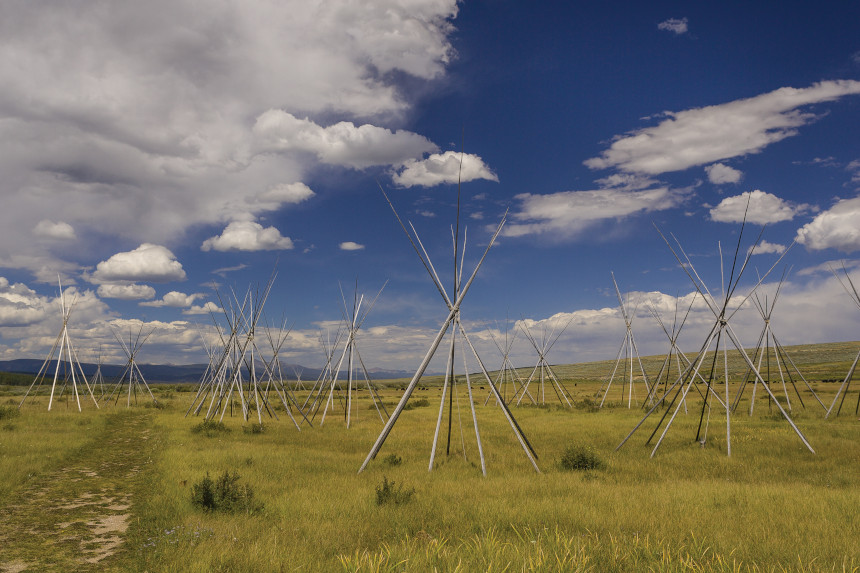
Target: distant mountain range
point(175, 374)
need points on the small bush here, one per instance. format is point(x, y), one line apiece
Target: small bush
point(392, 460)
point(588, 404)
point(157, 405)
point(254, 429)
point(419, 403)
point(224, 494)
point(580, 458)
point(9, 412)
point(388, 492)
point(210, 428)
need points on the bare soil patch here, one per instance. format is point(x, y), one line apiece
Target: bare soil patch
point(75, 517)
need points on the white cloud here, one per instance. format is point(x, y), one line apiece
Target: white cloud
point(126, 291)
point(837, 228)
point(675, 25)
point(247, 236)
point(342, 143)
point(854, 169)
point(442, 168)
point(827, 267)
point(568, 213)
point(148, 262)
point(136, 118)
point(207, 308)
point(174, 299)
point(626, 182)
point(765, 247)
point(30, 323)
point(282, 194)
point(58, 231)
point(705, 135)
point(763, 208)
point(21, 306)
point(224, 270)
point(350, 246)
point(719, 174)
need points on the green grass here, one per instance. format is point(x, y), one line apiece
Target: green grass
point(771, 506)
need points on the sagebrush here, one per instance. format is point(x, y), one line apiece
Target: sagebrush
point(224, 494)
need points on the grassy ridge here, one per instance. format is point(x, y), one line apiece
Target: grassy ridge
point(817, 362)
point(772, 505)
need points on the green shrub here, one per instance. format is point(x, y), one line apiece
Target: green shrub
point(419, 403)
point(224, 494)
point(210, 428)
point(388, 492)
point(392, 460)
point(580, 458)
point(254, 429)
point(588, 404)
point(9, 412)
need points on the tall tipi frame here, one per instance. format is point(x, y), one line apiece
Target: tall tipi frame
point(97, 380)
point(297, 371)
point(508, 375)
point(451, 321)
point(66, 356)
point(720, 335)
point(767, 340)
point(674, 354)
point(313, 400)
point(239, 354)
point(542, 369)
point(225, 372)
point(843, 388)
point(353, 319)
point(274, 375)
point(132, 374)
point(626, 353)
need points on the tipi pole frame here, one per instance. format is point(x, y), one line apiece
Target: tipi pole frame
point(452, 314)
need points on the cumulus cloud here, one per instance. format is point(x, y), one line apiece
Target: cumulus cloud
point(126, 291)
point(136, 118)
point(281, 194)
point(57, 231)
point(350, 246)
point(764, 248)
point(174, 299)
point(340, 144)
point(705, 135)
point(247, 236)
point(30, 323)
point(674, 25)
point(207, 308)
point(763, 208)
point(442, 168)
point(569, 213)
point(837, 228)
point(719, 174)
point(148, 262)
point(20, 305)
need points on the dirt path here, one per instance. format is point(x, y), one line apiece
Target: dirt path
point(74, 518)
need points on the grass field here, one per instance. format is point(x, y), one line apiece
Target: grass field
point(112, 489)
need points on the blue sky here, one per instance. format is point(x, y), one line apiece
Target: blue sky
point(152, 155)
